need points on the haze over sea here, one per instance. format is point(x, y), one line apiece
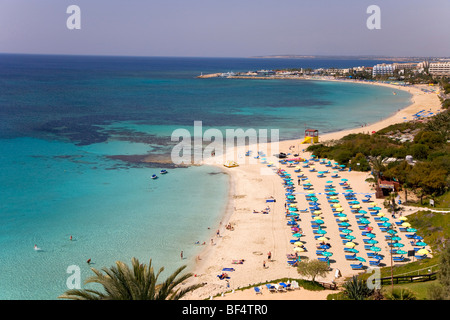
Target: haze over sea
point(74, 128)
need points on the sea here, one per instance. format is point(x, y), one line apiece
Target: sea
point(75, 129)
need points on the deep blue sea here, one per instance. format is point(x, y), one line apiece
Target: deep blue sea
point(73, 131)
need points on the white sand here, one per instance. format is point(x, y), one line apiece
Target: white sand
point(255, 234)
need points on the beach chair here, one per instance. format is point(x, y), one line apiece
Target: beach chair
point(374, 263)
point(402, 229)
point(358, 266)
point(257, 290)
point(271, 288)
point(324, 259)
point(350, 257)
point(421, 257)
point(398, 259)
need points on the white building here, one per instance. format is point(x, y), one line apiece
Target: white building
point(383, 69)
point(439, 69)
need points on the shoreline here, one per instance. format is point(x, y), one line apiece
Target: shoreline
point(247, 182)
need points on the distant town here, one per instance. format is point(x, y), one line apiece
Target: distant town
point(423, 72)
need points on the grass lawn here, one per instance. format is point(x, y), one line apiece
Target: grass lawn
point(419, 288)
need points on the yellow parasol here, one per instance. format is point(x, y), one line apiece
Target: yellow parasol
point(298, 249)
point(381, 214)
point(350, 244)
point(423, 251)
point(337, 205)
point(343, 219)
point(323, 238)
point(406, 224)
point(403, 218)
point(339, 209)
point(356, 206)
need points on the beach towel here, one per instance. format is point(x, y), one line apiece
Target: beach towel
point(228, 269)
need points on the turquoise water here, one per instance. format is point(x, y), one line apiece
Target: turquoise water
point(73, 131)
point(112, 212)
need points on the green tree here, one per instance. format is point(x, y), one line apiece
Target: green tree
point(357, 289)
point(139, 282)
point(313, 268)
point(400, 294)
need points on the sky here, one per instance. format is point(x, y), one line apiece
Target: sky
point(226, 28)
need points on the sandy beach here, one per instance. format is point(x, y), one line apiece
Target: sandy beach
point(253, 235)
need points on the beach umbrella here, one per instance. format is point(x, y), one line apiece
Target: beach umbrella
point(342, 219)
point(334, 201)
point(372, 241)
point(347, 231)
point(353, 250)
point(423, 251)
point(361, 259)
point(362, 211)
point(406, 224)
point(350, 244)
point(341, 215)
point(398, 245)
point(376, 208)
point(329, 181)
point(381, 214)
point(298, 243)
point(392, 231)
point(317, 212)
point(336, 205)
point(411, 230)
point(368, 228)
point(401, 252)
point(421, 244)
point(350, 237)
point(344, 179)
point(297, 235)
point(370, 235)
point(396, 238)
point(384, 219)
point(319, 222)
point(417, 237)
point(321, 231)
point(327, 254)
point(339, 209)
point(403, 218)
point(375, 249)
point(322, 238)
point(299, 249)
point(357, 206)
point(353, 202)
point(386, 224)
point(344, 224)
point(324, 246)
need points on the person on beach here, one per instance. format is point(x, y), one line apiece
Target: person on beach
point(269, 256)
point(181, 255)
point(264, 264)
point(88, 261)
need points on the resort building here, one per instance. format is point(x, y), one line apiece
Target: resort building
point(383, 69)
point(439, 69)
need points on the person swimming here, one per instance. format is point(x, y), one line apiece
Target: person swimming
point(36, 247)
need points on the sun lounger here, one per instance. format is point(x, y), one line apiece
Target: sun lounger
point(324, 259)
point(358, 266)
point(374, 263)
point(350, 257)
point(228, 269)
point(271, 288)
point(257, 290)
point(398, 259)
point(402, 229)
point(421, 257)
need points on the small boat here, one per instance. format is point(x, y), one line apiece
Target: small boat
point(154, 176)
point(164, 171)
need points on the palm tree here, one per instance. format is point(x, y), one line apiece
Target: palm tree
point(357, 289)
point(400, 294)
point(139, 282)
